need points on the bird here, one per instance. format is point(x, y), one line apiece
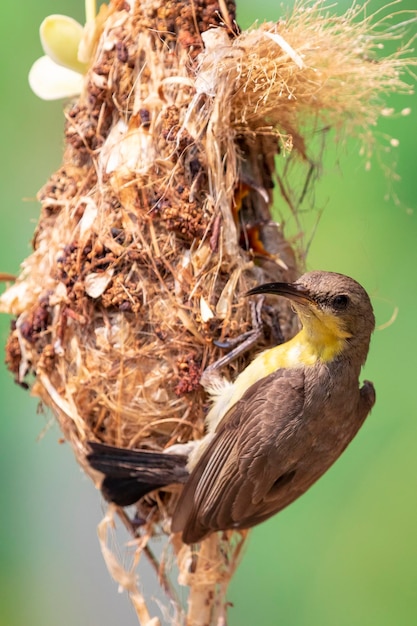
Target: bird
point(275, 430)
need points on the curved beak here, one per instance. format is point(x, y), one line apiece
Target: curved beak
point(292, 291)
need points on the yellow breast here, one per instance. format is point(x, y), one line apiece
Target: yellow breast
point(305, 349)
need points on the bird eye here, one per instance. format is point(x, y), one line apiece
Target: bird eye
point(340, 302)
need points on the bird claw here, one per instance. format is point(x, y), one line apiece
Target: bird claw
point(243, 342)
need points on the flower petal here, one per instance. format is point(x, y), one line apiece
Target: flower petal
point(60, 37)
point(50, 81)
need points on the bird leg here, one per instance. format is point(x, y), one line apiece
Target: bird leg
point(239, 345)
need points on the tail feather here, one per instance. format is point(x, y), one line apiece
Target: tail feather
point(131, 474)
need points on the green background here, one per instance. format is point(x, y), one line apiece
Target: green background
point(345, 553)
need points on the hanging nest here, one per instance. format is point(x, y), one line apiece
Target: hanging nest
point(159, 220)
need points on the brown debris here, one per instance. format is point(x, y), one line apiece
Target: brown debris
point(189, 374)
point(13, 353)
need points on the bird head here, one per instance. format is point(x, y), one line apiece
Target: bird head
point(331, 307)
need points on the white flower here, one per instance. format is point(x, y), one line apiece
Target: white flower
point(60, 73)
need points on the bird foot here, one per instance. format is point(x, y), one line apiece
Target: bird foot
point(242, 343)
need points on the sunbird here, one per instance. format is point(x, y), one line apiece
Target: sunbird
point(275, 430)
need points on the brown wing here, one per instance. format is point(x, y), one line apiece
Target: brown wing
point(240, 478)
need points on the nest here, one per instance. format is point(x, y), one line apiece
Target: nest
point(159, 220)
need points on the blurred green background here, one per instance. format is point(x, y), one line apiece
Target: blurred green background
point(345, 553)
